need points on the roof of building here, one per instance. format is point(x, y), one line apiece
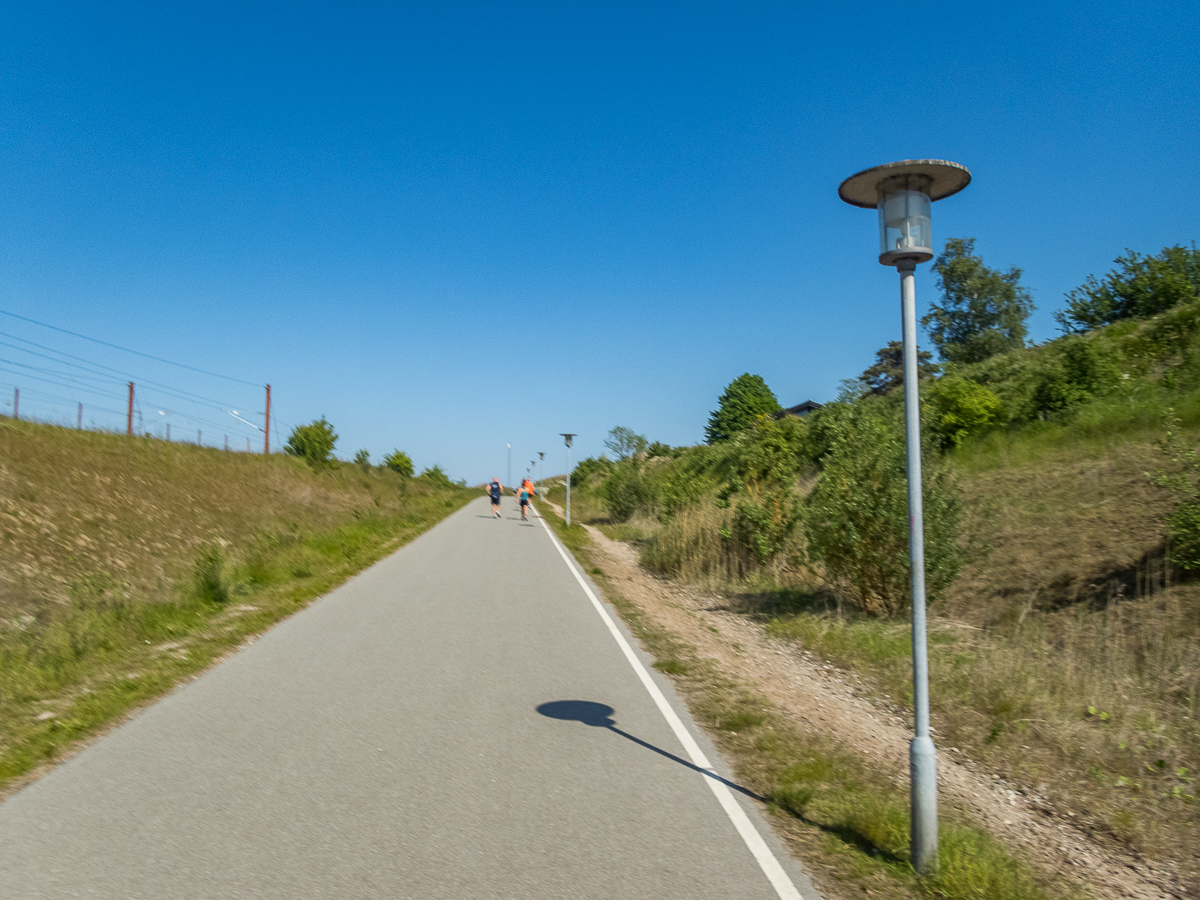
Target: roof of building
point(801, 409)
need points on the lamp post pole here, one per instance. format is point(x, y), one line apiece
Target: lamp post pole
point(508, 477)
point(568, 438)
point(922, 755)
point(541, 465)
point(903, 192)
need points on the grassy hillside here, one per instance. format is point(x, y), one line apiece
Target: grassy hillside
point(131, 563)
point(1066, 654)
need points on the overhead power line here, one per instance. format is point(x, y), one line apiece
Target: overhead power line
point(126, 349)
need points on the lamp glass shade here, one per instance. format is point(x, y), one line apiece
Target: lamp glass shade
point(905, 229)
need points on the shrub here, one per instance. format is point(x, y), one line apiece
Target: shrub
point(1183, 522)
point(1078, 374)
point(762, 527)
point(627, 491)
point(436, 477)
point(208, 575)
point(313, 443)
point(770, 455)
point(399, 462)
point(957, 407)
point(362, 459)
point(590, 466)
point(857, 515)
point(658, 448)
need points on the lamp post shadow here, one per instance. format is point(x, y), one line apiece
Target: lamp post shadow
point(598, 715)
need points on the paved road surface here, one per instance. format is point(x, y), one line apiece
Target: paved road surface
point(387, 742)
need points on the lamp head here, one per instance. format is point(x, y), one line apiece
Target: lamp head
point(903, 192)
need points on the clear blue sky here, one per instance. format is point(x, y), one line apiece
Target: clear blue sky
point(452, 226)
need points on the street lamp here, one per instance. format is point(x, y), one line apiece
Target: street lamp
point(568, 438)
point(541, 465)
point(508, 477)
point(903, 192)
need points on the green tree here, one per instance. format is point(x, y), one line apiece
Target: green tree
point(1142, 286)
point(363, 459)
point(625, 442)
point(399, 461)
point(856, 519)
point(887, 374)
point(313, 443)
point(745, 399)
point(983, 311)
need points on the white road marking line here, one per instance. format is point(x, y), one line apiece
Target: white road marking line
point(754, 841)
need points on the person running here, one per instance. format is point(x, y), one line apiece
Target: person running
point(527, 492)
point(495, 489)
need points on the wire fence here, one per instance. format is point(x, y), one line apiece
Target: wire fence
point(40, 381)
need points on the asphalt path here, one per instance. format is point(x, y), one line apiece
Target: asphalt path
point(458, 721)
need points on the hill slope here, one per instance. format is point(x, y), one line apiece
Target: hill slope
point(131, 563)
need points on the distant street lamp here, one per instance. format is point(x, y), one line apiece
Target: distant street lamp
point(903, 192)
point(568, 438)
point(508, 479)
point(542, 465)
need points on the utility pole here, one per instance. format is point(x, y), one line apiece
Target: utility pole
point(129, 416)
point(168, 432)
point(509, 476)
point(267, 430)
point(79, 419)
point(16, 403)
point(199, 438)
point(227, 443)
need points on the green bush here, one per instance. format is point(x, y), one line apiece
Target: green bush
point(208, 575)
point(770, 454)
point(591, 466)
point(957, 407)
point(628, 490)
point(436, 477)
point(399, 462)
point(763, 526)
point(1183, 484)
point(313, 443)
point(856, 519)
point(1077, 372)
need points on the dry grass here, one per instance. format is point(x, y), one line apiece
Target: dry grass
point(73, 503)
point(131, 564)
point(1067, 659)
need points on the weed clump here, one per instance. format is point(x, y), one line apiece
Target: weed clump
point(208, 575)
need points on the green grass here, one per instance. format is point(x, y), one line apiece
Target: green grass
point(82, 644)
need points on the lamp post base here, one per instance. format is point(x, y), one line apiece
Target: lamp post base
point(922, 764)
